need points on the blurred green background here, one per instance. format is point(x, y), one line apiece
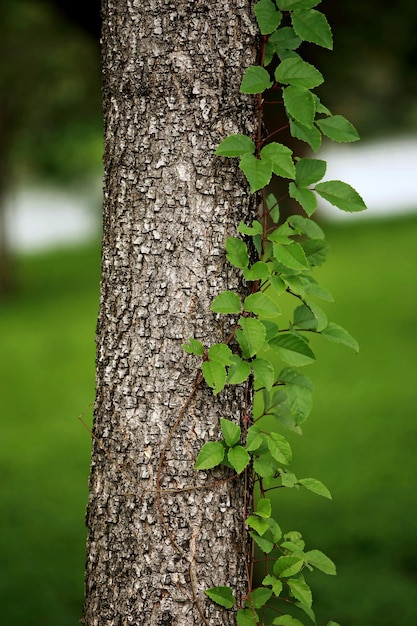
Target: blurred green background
point(361, 439)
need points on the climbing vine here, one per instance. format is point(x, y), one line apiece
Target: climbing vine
point(277, 260)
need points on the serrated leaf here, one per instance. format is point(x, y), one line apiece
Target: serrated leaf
point(261, 304)
point(288, 479)
point(291, 256)
point(305, 197)
point(254, 439)
point(287, 566)
point(255, 80)
point(332, 624)
point(312, 288)
point(265, 466)
point(312, 135)
point(337, 334)
point(316, 486)
point(279, 448)
point(252, 336)
point(292, 376)
point(311, 25)
point(257, 271)
point(222, 596)
point(338, 128)
point(275, 583)
point(235, 146)
point(281, 159)
point(299, 104)
point(275, 530)
point(257, 523)
point(284, 39)
point(341, 195)
point(220, 353)
point(231, 431)
point(238, 458)
point(294, 71)
point(226, 302)
point(316, 251)
point(306, 226)
point(320, 561)
point(237, 252)
point(309, 171)
point(255, 229)
point(301, 591)
point(193, 347)
point(264, 544)
point(257, 171)
point(215, 375)
point(210, 455)
point(307, 610)
point(287, 620)
point(289, 5)
point(292, 349)
point(300, 401)
point(246, 617)
point(264, 373)
point(267, 16)
point(259, 597)
point(239, 370)
point(263, 507)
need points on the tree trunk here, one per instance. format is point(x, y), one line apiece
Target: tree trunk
point(172, 72)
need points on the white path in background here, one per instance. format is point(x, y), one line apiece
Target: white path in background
point(384, 173)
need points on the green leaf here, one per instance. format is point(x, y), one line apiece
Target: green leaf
point(226, 302)
point(312, 288)
point(301, 591)
point(287, 620)
point(332, 624)
point(220, 353)
point(255, 229)
point(193, 347)
point(341, 195)
point(279, 448)
point(264, 466)
point(275, 530)
point(257, 271)
point(257, 171)
point(320, 561)
point(300, 401)
point(235, 146)
point(316, 486)
point(310, 318)
point(287, 566)
point(335, 333)
point(257, 523)
point(292, 349)
point(291, 256)
point(264, 373)
point(281, 159)
point(294, 71)
point(312, 135)
point(306, 226)
point(238, 458)
point(307, 610)
point(274, 582)
point(288, 479)
point(338, 128)
point(312, 26)
point(231, 431)
point(316, 251)
point(267, 16)
point(255, 80)
point(246, 617)
point(210, 455)
point(222, 596)
point(215, 375)
point(289, 5)
point(252, 336)
point(299, 104)
point(261, 304)
point(284, 39)
point(239, 370)
point(309, 171)
point(254, 439)
point(259, 597)
point(264, 544)
point(263, 507)
point(237, 252)
point(305, 197)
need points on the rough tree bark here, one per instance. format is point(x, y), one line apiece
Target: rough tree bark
point(172, 70)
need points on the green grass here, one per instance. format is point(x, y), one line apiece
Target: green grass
point(361, 439)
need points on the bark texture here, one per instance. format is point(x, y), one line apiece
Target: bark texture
point(172, 70)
